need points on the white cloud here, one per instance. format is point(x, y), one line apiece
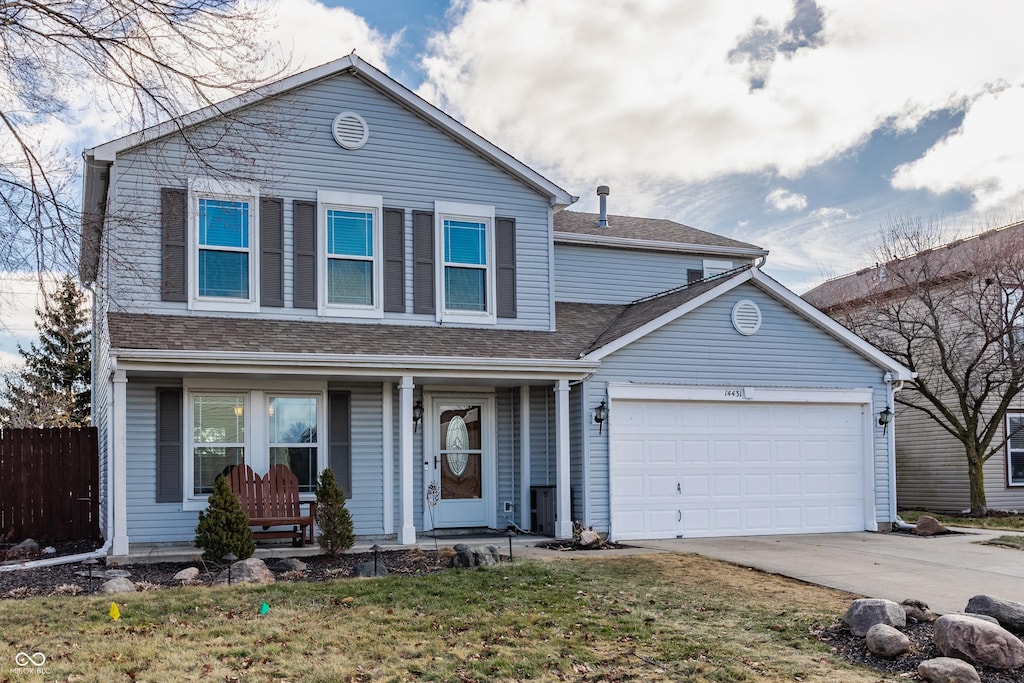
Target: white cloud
point(782, 199)
point(984, 157)
point(668, 92)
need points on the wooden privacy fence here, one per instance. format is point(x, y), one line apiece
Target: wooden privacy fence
point(49, 484)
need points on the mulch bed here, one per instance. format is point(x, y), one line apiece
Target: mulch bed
point(570, 545)
point(67, 579)
point(922, 647)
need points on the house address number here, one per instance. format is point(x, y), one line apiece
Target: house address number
point(735, 393)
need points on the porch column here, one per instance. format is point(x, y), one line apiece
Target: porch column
point(563, 527)
point(117, 484)
point(524, 457)
point(407, 532)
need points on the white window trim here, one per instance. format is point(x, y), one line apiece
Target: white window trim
point(1009, 465)
point(715, 267)
point(472, 212)
point(257, 433)
point(211, 188)
point(350, 201)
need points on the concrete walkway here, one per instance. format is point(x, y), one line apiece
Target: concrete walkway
point(943, 571)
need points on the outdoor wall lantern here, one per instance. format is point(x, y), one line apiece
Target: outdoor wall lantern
point(600, 415)
point(884, 418)
point(417, 414)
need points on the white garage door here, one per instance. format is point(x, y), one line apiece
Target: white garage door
point(691, 468)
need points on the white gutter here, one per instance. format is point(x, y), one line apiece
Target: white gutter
point(63, 559)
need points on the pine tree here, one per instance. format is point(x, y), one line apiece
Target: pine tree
point(53, 387)
point(333, 518)
point(223, 527)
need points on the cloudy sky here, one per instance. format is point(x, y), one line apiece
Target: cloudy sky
point(797, 125)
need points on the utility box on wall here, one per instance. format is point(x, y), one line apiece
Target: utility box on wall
point(543, 504)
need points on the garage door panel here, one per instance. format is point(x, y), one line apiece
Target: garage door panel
point(709, 469)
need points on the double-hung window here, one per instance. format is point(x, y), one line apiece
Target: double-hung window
point(466, 271)
point(1015, 449)
point(350, 236)
point(218, 437)
point(293, 437)
point(223, 220)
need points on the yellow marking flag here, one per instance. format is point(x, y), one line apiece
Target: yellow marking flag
point(115, 613)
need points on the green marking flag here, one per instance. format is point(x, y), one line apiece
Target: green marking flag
point(264, 608)
point(115, 613)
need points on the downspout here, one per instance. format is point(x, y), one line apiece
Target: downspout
point(890, 396)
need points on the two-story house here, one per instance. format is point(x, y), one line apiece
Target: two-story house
point(971, 287)
point(331, 272)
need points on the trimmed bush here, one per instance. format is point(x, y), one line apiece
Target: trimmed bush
point(223, 527)
point(333, 518)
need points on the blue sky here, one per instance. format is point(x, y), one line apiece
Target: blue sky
point(801, 126)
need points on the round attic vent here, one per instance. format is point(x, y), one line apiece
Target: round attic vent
point(350, 130)
point(746, 317)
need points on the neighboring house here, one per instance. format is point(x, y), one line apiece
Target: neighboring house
point(931, 466)
point(384, 292)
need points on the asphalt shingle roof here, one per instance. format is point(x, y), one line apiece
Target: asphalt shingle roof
point(654, 229)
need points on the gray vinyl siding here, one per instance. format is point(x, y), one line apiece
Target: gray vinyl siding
point(364, 501)
point(543, 436)
point(406, 160)
point(601, 275)
point(507, 457)
point(576, 453)
point(931, 469)
point(702, 348)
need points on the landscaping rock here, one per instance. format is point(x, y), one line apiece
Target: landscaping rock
point(25, 548)
point(466, 557)
point(885, 641)
point(978, 642)
point(947, 670)
point(290, 564)
point(590, 539)
point(929, 526)
point(252, 570)
point(1008, 613)
point(918, 611)
point(866, 612)
point(118, 584)
point(367, 569)
point(187, 574)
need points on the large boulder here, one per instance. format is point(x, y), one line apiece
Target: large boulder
point(929, 526)
point(466, 557)
point(252, 570)
point(118, 584)
point(918, 611)
point(885, 641)
point(1008, 613)
point(290, 564)
point(590, 539)
point(370, 568)
point(947, 670)
point(866, 612)
point(187, 574)
point(978, 642)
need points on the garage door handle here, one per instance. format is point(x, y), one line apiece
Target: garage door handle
point(679, 515)
point(679, 487)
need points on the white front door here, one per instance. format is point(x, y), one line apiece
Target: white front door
point(460, 489)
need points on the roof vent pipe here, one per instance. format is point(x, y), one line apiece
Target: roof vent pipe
point(603, 192)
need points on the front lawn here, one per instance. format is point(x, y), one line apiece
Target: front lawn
point(994, 520)
point(636, 618)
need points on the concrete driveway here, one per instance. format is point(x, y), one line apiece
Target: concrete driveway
point(943, 571)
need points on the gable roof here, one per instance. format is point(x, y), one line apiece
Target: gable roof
point(956, 259)
point(354, 65)
point(577, 227)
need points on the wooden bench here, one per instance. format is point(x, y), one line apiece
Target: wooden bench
point(273, 500)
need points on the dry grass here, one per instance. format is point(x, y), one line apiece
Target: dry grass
point(999, 521)
point(651, 618)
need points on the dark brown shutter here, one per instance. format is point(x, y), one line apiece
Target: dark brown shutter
point(271, 252)
point(694, 275)
point(174, 258)
point(304, 254)
point(505, 255)
point(339, 438)
point(169, 445)
point(423, 262)
point(394, 260)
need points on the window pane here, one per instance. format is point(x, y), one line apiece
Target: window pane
point(224, 273)
point(219, 419)
point(210, 463)
point(302, 463)
point(464, 289)
point(293, 419)
point(465, 242)
point(1015, 428)
point(223, 223)
point(349, 233)
point(350, 282)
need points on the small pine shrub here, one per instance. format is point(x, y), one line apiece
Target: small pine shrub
point(223, 527)
point(333, 518)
